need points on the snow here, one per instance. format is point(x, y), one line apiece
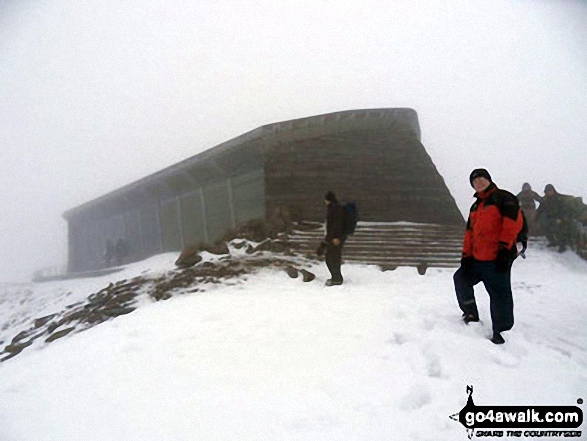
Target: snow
point(385, 356)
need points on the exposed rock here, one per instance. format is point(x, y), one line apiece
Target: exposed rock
point(189, 256)
point(422, 268)
point(17, 347)
point(21, 336)
point(115, 312)
point(277, 247)
point(255, 230)
point(263, 246)
point(117, 298)
point(59, 334)
point(218, 249)
point(388, 267)
point(307, 275)
point(44, 320)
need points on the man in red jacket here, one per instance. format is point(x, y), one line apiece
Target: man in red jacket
point(489, 250)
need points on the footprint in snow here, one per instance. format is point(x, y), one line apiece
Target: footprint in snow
point(433, 365)
point(417, 398)
point(506, 360)
point(398, 339)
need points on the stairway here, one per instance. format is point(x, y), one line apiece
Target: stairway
point(391, 244)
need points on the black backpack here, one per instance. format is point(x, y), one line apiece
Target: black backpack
point(351, 217)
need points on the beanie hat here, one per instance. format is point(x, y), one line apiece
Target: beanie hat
point(549, 187)
point(329, 196)
point(526, 187)
point(479, 173)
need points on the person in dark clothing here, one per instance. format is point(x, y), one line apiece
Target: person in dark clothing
point(334, 239)
point(109, 252)
point(554, 217)
point(489, 250)
point(528, 198)
point(120, 251)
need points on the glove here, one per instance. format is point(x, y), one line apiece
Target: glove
point(467, 265)
point(321, 249)
point(502, 261)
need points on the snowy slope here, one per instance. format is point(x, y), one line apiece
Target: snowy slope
point(383, 357)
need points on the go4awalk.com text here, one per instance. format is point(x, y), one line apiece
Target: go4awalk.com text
point(520, 421)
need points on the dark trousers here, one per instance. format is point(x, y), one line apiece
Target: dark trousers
point(497, 284)
point(334, 260)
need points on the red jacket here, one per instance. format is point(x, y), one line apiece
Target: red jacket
point(494, 221)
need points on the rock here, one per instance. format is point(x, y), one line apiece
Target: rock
point(54, 325)
point(263, 246)
point(307, 275)
point(115, 312)
point(422, 268)
point(59, 334)
point(291, 272)
point(75, 315)
point(239, 245)
point(95, 317)
point(388, 268)
point(121, 299)
point(21, 336)
point(17, 347)
point(44, 320)
point(189, 256)
point(277, 247)
point(218, 249)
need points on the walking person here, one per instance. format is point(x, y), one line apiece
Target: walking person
point(334, 239)
point(528, 198)
point(553, 213)
point(489, 249)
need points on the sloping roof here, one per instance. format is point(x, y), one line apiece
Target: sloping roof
point(222, 160)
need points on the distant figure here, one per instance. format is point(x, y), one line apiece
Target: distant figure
point(489, 250)
point(121, 251)
point(528, 198)
point(109, 252)
point(554, 216)
point(334, 240)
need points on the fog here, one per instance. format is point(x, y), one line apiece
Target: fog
point(97, 94)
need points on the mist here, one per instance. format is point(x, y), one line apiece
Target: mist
point(96, 95)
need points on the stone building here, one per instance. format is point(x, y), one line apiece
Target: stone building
point(373, 157)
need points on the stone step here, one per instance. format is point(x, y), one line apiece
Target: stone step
point(382, 242)
point(391, 244)
point(384, 249)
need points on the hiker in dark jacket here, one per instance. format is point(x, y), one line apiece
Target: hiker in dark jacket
point(528, 198)
point(334, 239)
point(553, 214)
point(489, 249)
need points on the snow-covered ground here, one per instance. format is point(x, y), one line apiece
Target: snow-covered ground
point(383, 357)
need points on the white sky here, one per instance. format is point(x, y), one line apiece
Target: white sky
point(97, 94)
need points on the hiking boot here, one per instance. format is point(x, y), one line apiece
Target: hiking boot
point(468, 318)
point(497, 339)
point(333, 282)
point(562, 249)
